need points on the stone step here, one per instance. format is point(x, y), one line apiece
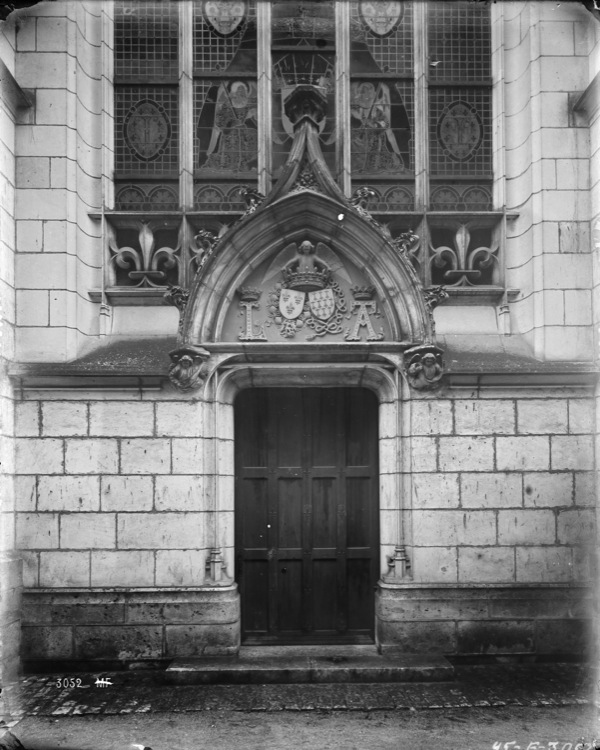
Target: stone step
point(309, 664)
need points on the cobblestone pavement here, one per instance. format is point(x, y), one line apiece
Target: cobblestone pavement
point(529, 685)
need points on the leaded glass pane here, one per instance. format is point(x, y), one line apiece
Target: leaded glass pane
point(221, 197)
point(147, 132)
point(303, 23)
point(290, 69)
point(459, 39)
point(381, 126)
point(381, 38)
point(224, 36)
point(460, 132)
point(382, 102)
point(225, 107)
point(225, 139)
point(146, 196)
point(303, 43)
point(146, 39)
point(458, 196)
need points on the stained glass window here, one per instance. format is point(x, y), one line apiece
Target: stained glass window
point(303, 51)
point(146, 39)
point(225, 106)
point(460, 105)
point(418, 98)
point(382, 102)
point(146, 105)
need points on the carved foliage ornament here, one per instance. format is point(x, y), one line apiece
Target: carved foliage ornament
point(188, 368)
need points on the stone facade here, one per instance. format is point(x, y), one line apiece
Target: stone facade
point(11, 103)
point(124, 494)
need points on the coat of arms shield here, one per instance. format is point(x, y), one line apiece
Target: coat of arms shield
point(322, 303)
point(291, 303)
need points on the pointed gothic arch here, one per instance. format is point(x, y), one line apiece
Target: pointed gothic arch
point(296, 217)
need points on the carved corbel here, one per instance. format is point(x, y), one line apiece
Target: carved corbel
point(424, 367)
point(189, 369)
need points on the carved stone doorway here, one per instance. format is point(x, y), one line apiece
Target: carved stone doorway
point(307, 514)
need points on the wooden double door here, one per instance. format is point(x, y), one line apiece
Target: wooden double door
point(307, 513)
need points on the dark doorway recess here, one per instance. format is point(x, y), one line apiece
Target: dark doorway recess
point(307, 514)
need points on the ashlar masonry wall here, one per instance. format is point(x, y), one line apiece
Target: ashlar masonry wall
point(10, 564)
point(501, 524)
point(114, 520)
point(113, 501)
point(59, 59)
point(547, 160)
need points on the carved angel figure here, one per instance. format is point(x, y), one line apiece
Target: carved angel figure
point(187, 370)
point(425, 368)
point(227, 129)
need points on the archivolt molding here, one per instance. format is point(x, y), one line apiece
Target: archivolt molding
point(296, 218)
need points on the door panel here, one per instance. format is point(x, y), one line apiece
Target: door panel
point(307, 534)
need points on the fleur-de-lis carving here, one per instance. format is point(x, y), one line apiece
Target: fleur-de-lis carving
point(463, 266)
point(146, 265)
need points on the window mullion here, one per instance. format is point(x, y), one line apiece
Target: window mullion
point(108, 105)
point(264, 89)
point(421, 132)
point(342, 77)
point(497, 21)
point(186, 98)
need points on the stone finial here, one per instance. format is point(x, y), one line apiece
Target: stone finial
point(178, 297)
point(361, 197)
point(434, 295)
point(188, 369)
point(253, 199)
point(405, 241)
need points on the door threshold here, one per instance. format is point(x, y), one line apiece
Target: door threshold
point(309, 664)
point(308, 641)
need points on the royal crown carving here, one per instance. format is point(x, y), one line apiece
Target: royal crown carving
point(306, 293)
point(306, 272)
